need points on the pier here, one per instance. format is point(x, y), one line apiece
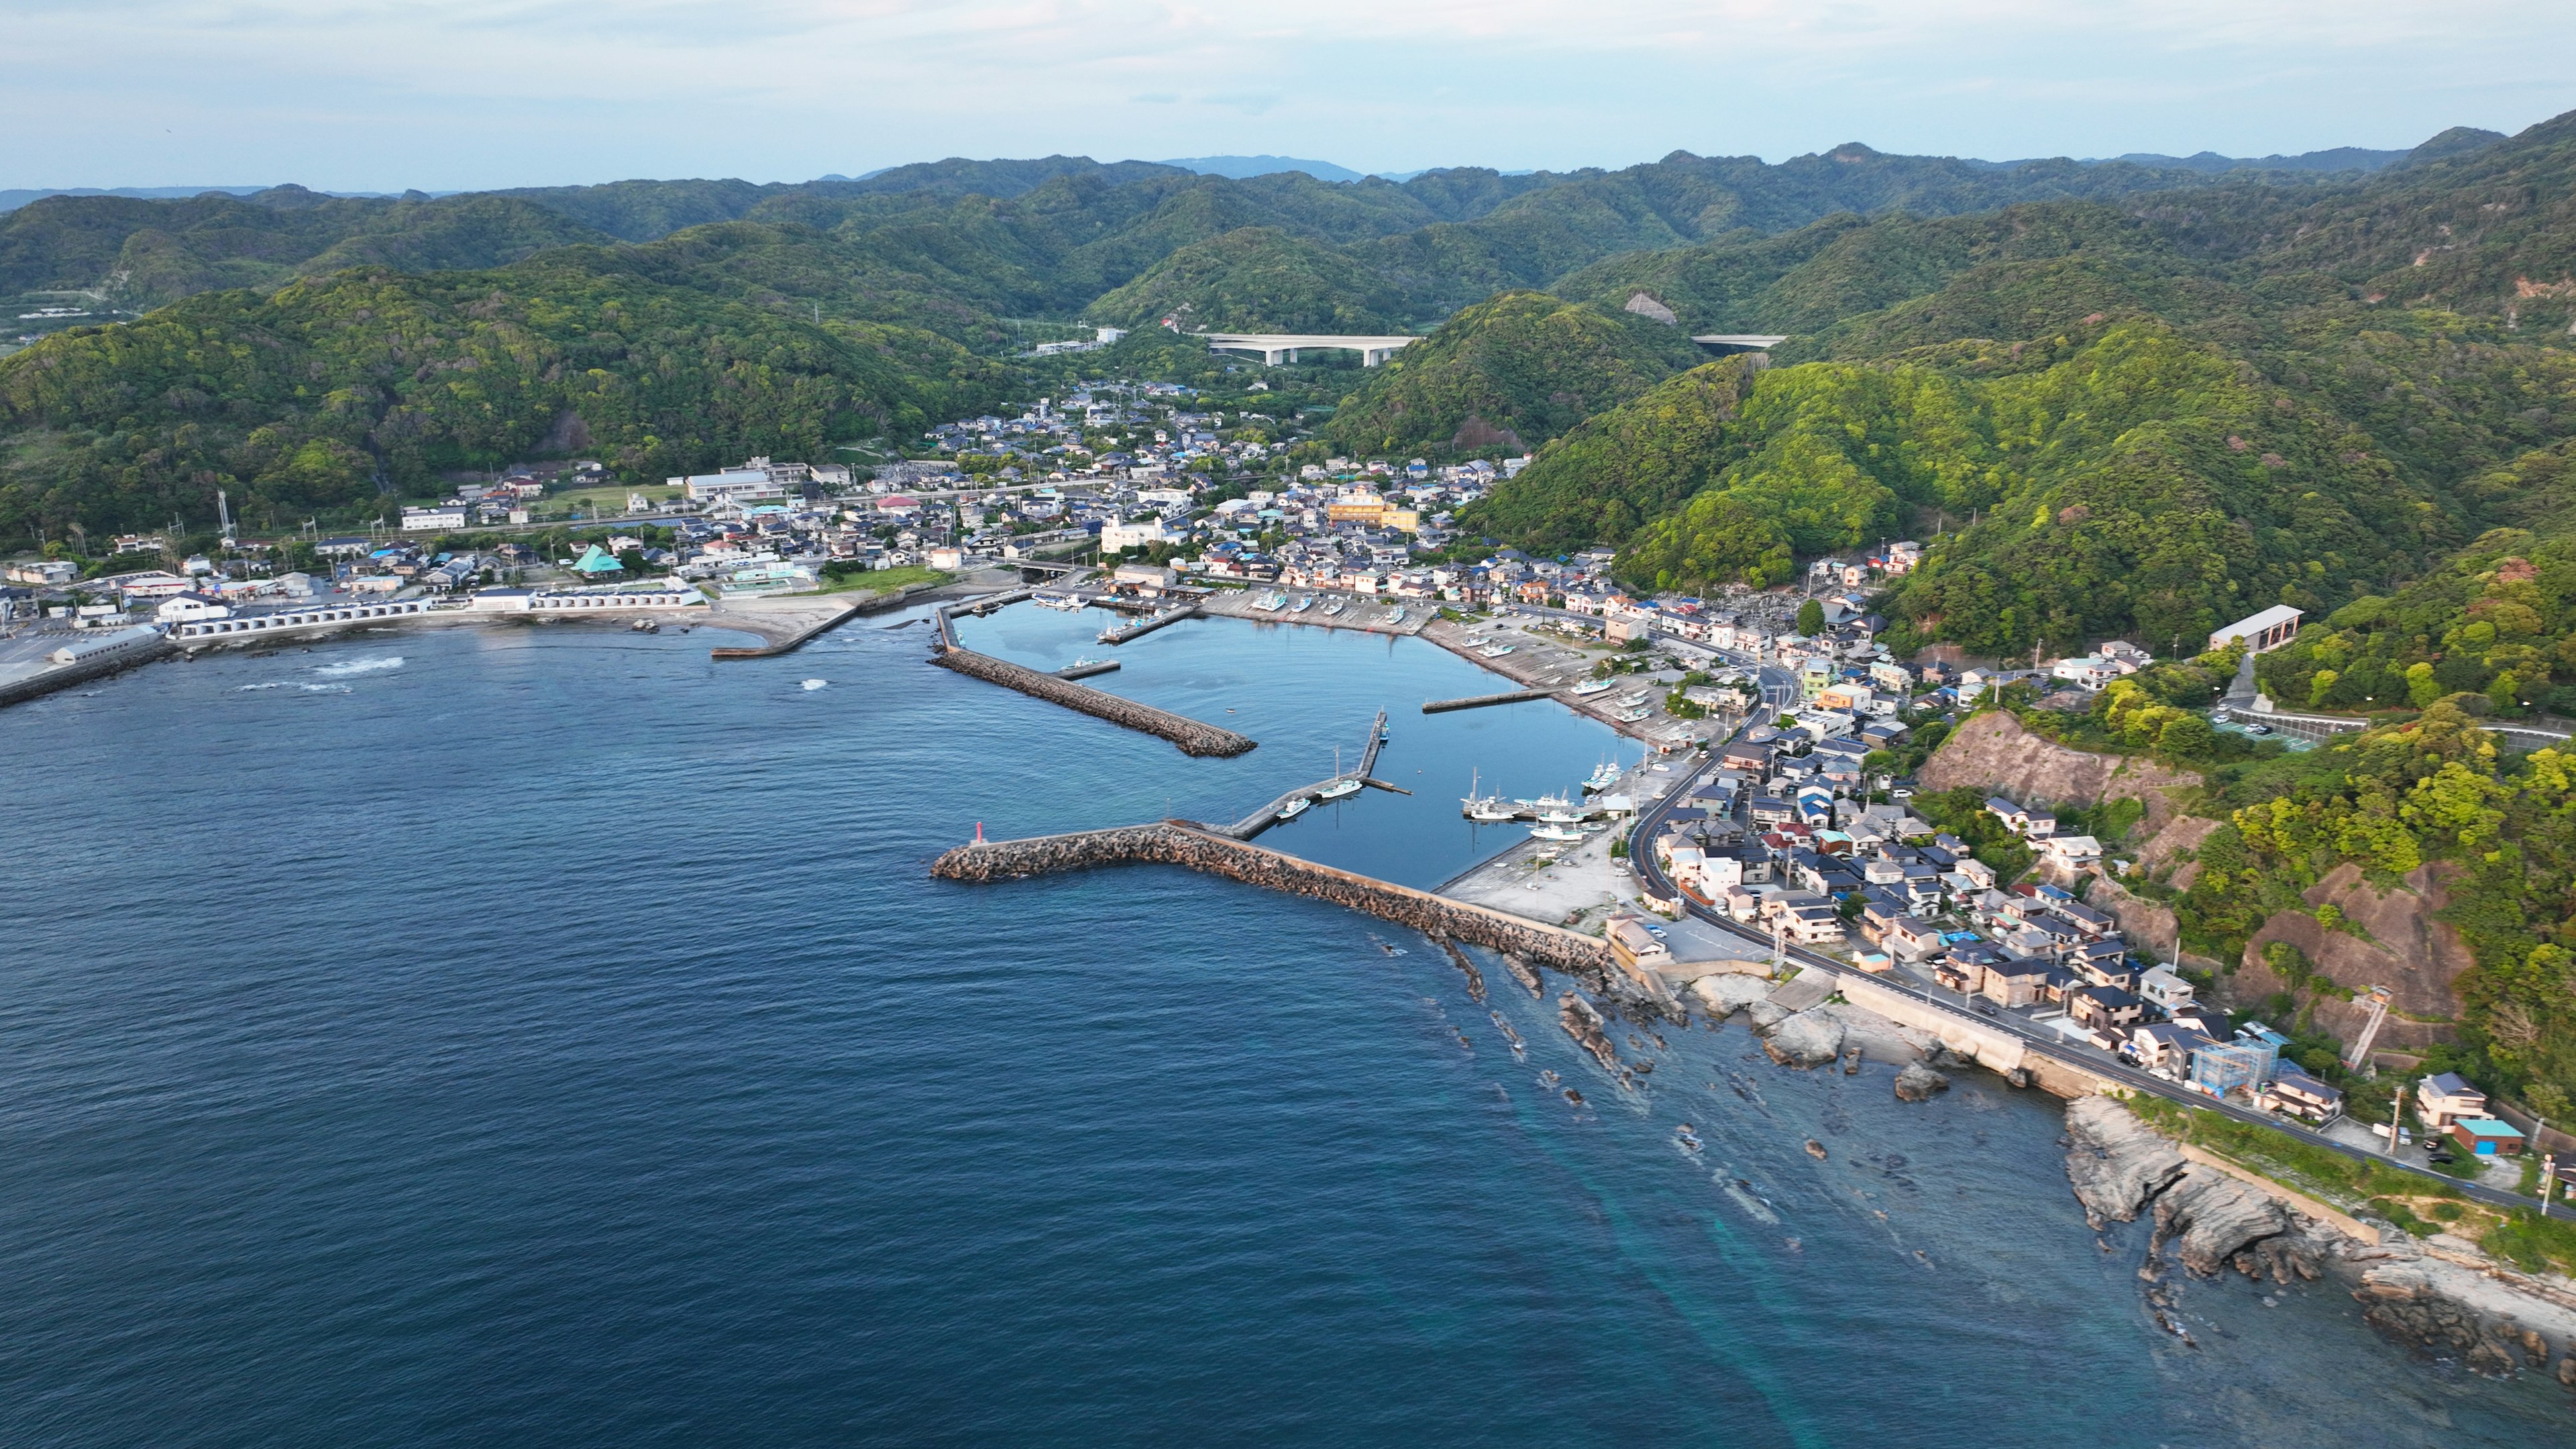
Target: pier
point(1148, 626)
point(1268, 815)
point(1187, 843)
point(1480, 701)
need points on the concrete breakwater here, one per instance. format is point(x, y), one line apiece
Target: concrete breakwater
point(1182, 843)
point(1193, 737)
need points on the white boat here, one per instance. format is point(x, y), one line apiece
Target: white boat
point(1631, 716)
point(1556, 832)
point(1556, 809)
point(1292, 809)
point(1333, 608)
point(1271, 602)
point(1603, 778)
point(1303, 603)
point(1338, 789)
point(1496, 651)
point(1591, 687)
point(1067, 602)
point(1397, 617)
point(1485, 807)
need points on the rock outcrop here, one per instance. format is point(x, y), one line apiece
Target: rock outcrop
point(1731, 992)
point(1991, 751)
point(1916, 1082)
point(2392, 939)
point(2116, 1162)
point(1808, 1039)
point(2210, 1218)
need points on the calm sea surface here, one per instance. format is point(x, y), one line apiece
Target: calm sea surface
point(544, 1036)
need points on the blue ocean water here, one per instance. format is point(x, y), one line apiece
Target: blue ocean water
point(548, 1036)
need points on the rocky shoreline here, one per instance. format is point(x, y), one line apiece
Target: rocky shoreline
point(2440, 1296)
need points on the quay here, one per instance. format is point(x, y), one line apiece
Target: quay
point(1194, 846)
point(1141, 629)
point(85, 657)
point(1480, 701)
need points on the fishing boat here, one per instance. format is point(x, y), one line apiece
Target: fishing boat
point(1271, 602)
point(1555, 809)
point(1603, 778)
point(1304, 602)
point(1566, 833)
point(1496, 651)
point(1631, 701)
point(1397, 617)
point(1487, 808)
point(1069, 603)
point(1631, 716)
point(1333, 608)
point(1338, 790)
point(1292, 809)
point(1591, 687)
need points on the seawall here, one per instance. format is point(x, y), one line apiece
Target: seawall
point(1181, 843)
point(1193, 737)
point(64, 676)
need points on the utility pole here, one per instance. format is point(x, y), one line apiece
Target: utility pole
point(2396, 1106)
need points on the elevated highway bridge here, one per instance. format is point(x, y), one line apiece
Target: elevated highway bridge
point(1278, 347)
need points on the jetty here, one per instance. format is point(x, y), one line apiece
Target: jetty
point(1480, 701)
point(1144, 627)
point(1193, 845)
point(1268, 815)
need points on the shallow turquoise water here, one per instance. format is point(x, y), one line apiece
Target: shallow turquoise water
point(554, 1038)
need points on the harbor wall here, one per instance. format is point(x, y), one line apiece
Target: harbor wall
point(64, 676)
point(1193, 737)
point(1990, 1047)
point(1183, 844)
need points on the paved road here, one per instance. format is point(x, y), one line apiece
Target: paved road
point(1642, 856)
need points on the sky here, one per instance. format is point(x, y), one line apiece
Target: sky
point(370, 95)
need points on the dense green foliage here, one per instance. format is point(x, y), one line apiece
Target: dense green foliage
point(1507, 374)
point(2435, 792)
point(305, 399)
point(1255, 279)
point(2497, 619)
point(1616, 470)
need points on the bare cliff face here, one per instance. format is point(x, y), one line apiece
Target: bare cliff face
point(2387, 939)
point(1991, 751)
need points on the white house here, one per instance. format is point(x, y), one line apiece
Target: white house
point(433, 520)
point(186, 608)
point(1117, 536)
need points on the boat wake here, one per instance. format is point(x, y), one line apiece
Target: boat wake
point(359, 666)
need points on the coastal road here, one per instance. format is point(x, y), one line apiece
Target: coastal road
point(1642, 856)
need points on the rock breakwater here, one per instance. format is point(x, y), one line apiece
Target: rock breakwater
point(1193, 737)
point(1183, 843)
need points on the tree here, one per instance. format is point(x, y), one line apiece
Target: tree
point(1811, 618)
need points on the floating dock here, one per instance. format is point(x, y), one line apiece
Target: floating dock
point(1268, 815)
point(1085, 671)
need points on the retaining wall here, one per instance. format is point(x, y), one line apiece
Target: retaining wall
point(1193, 737)
point(1183, 844)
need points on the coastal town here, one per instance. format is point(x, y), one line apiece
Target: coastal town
point(1784, 806)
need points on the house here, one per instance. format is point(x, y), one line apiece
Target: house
point(1913, 939)
point(2166, 1044)
point(2014, 981)
point(1636, 947)
point(2090, 672)
point(2487, 1137)
point(2164, 990)
point(2296, 1092)
point(2103, 1007)
point(2104, 963)
point(2070, 850)
point(188, 607)
point(435, 520)
point(2447, 1098)
point(2031, 821)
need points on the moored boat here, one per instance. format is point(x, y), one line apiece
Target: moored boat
point(1293, 809)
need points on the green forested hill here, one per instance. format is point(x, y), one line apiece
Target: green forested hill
point(303, 399)
point(1508, 373)
point(1255, 279)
